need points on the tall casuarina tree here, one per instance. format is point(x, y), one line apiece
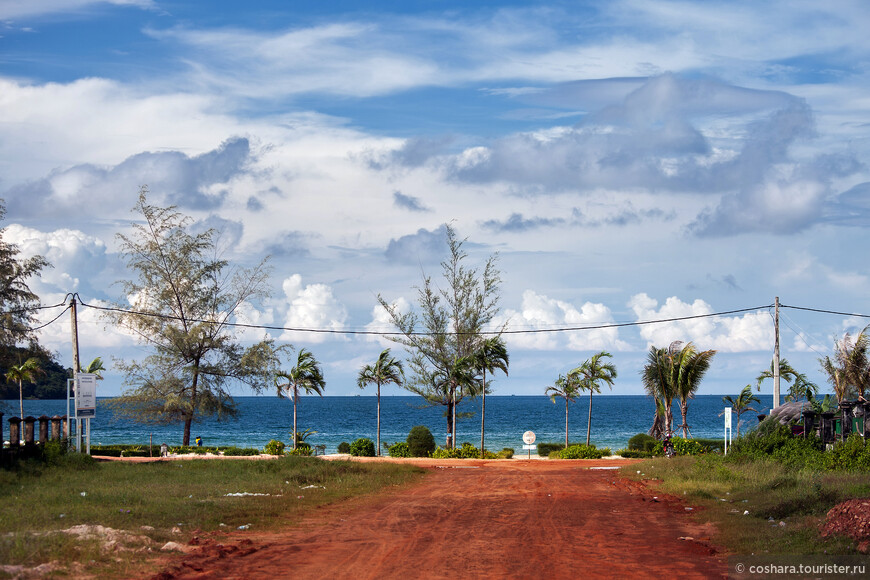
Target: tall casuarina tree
point(386, 370)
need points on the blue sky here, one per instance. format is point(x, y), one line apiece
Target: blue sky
point(628, 160)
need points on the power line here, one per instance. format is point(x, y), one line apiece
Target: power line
point(825, 311)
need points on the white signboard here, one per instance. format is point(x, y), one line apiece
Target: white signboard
point(727, 417)
point(86, 395)
point(529, 437)
point(530, 447)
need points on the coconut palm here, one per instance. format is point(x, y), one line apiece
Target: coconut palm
point(95, 367)
point(741, 403)
point(566, 387)
point(849, 371)
point(491, 356)
point(786, 373)
point(689, 367)
point(590, 375)
point(306, 375)
point(657, 382)
point(25, 371)
point(459, 379)
point(386, 370)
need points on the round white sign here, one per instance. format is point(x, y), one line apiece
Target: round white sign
point(529, 437)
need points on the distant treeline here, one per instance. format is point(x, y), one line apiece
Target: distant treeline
point(50, 383)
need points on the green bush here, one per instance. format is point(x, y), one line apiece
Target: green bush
point(582, 451)
point(634, 454)
point(362, 447)
point(642, 442)
point(506, 453)
point(467, 451)
point(300, 451)
point(239, 451)
point(344, 447)
point(399, 449)
point(544, 449)
point(421, 443)
point(274, 447)
point(849, 455)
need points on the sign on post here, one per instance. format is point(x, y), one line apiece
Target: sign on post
point(727, 427)
point(529, 440)
point(86, 395)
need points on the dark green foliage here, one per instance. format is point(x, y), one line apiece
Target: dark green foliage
point(467, 451)
point(274, 447)
point(399, 449)
point(681, 447)
point(50, 383)
point(642, 442)
point(635, 454)
point(506, 453)
point(544, 449)
point(421, 443)
point(239, 451)
point(301, 451)
point(582, 452)
point(362, 447)
point(344, 447)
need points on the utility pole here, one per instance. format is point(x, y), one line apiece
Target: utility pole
point(76, 369)
point(776, 354)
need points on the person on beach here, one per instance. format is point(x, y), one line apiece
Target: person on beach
point(199, 441)
point(164, 450)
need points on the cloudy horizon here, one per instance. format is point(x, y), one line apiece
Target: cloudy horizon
point(627, 161)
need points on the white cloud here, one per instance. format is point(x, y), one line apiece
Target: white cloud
point(311, 307)
point(381, 321)
point(539, 312)
point(750, 332)
point(37, 8)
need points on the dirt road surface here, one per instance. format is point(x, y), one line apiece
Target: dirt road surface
point(479, 519)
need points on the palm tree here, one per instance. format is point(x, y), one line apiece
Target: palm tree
point(849, 371)
point(689, 367)
point(26, 371)
point(95, 367)
point(741, 403)
point(657, 382)
point(567, 388)
point(802, 388)
point(491, 356)
point(306, 375)
point(590, 374)
point(386, 370)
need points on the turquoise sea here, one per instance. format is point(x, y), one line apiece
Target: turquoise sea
point(615, 418)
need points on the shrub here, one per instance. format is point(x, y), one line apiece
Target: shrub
point(634, 454)
point(363, 447)
point(467, 451)
point(506, 453)
point(849, 455)
point(399, 449)
point(421, 443)
point(274, 447)
point(344, 447)
point(544, 449)
point(642, 442)
point(687, 446)
point(582, 452)
point(300, 451)
point(240, 451)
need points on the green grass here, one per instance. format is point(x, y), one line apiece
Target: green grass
point(189, 495)
point(770, 491)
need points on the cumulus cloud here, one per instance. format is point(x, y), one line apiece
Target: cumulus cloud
point(750, 332)
point(75, 257)
point(381, 321)
point(311, 306)
point(421, 247)
point(174, 178)
point(539, 312)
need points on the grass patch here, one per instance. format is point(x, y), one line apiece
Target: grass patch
point(771, 491)
point(153, 498)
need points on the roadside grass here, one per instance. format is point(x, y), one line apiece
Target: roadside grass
point(785, 505)
point(152, 499)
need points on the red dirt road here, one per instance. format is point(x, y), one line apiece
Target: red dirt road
point(479, 519)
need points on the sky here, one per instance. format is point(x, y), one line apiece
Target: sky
point(628, 161)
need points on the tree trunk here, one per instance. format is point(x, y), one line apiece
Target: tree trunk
point(450, 406)
point(453, 412)
point(21, 399)
point(188, 420)
point(483, 414)
point(295, 396)
point(589, 422)
point(566, 422)
point(684, 410)
point(379, 420)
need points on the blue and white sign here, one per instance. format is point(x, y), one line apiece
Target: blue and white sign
point(86, 395)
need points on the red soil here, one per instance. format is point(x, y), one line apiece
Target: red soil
point(850, 518)
point(478, 519)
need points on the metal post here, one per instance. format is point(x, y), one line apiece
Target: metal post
point(776, 354)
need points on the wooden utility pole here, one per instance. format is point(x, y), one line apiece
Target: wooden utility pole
point(776, 354)
point(75, 335)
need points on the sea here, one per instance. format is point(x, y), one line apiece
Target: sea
point(615, 418)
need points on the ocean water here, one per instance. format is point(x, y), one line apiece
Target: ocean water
point(615, 418)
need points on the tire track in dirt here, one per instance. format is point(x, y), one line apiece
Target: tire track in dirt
point(499, 519)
